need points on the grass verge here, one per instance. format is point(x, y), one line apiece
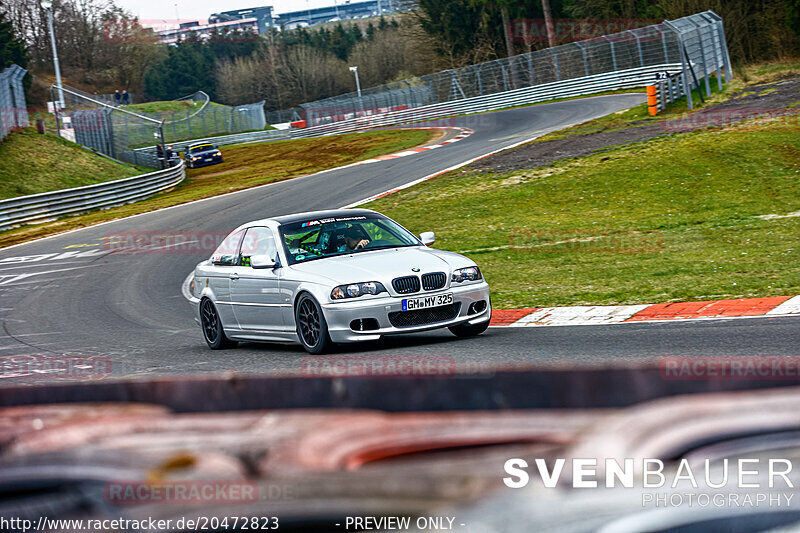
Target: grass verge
point(34, 163)
point(671, 219)
point(245, 166)
point(639, 116)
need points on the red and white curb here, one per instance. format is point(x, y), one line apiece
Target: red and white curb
point(622, 314)
point(463, 133)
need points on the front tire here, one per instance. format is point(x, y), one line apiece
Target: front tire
point(312, 328)
point(467, 330)
point(213, 332)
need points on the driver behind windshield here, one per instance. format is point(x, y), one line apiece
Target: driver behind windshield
point(355, 238)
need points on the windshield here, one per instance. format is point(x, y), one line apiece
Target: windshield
point(318, 238)
point(201, 148)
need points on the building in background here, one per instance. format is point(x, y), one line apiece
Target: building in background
point(204, 31)
point(261, 19)
point(340, 11)
point(263, 16)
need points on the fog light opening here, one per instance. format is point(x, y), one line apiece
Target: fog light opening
point(364, 324)
point(477, 307)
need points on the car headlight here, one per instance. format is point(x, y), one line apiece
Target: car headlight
point(217, 153)
point(354, 290)
point(466, 274)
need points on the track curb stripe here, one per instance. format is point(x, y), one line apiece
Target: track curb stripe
point(463, 134)
point(619, 314)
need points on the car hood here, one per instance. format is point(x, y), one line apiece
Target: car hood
point(204, 153)
point(381, 265)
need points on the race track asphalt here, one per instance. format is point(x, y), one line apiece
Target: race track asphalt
point(129, 307)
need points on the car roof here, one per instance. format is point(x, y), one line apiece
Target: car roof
point(309, 215)
point(199, 143)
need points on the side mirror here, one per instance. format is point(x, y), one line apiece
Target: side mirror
point(427, 237)
point(262, 262)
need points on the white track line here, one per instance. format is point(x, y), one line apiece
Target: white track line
point(209, 198)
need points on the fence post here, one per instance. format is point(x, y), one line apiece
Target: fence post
point(638, 47)
point(530, 67)
point(717, 50)
point(723, 44)
point(455, 88)
point(555, 63)
point(585, 59)
point(703, 56)
point(110, 125)
point(613, 52)
point(664, 45)
point(503, 70)
point(684, 67)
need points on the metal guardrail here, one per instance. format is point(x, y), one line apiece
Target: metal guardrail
point(587, 85)
point(698, 42)
point(663, 93)
point(637, 77)
point(46, 206)
point(222, 140)
point(51, 205)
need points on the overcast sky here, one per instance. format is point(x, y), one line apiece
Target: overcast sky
point(154, 11)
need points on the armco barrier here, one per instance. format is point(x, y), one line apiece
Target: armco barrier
point(50, 205)
point(664, 92)
point(40, 207)
point(637, 77)
point(222, 140)
point(631, 78)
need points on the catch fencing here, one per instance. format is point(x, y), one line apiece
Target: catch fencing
point(692, 48)
point(51, 205)
point(13, 109)
point(121, 132)
point(696, 42)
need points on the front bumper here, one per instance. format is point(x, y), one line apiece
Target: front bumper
point(202, 162)
point(341, 314)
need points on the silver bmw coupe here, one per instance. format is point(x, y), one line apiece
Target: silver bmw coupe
point(334, 277)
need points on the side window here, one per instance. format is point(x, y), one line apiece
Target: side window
point(258, 241)
point(225, 254)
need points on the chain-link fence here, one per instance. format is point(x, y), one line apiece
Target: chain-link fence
point(13, 110)
point(697, 42)
point(120, 131)
point(110, 98)
point(205, 118)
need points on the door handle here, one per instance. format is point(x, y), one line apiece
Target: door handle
point(234, 276)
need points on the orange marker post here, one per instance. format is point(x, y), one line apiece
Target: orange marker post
point(652, 100)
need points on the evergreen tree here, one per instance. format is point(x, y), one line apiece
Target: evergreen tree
point(12, 49)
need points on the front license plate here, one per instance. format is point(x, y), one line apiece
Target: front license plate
point(209, 159)
point(411, 304)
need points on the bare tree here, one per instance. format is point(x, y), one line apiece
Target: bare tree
point(548, 22)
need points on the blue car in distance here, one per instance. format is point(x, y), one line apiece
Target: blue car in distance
point(200, 154)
